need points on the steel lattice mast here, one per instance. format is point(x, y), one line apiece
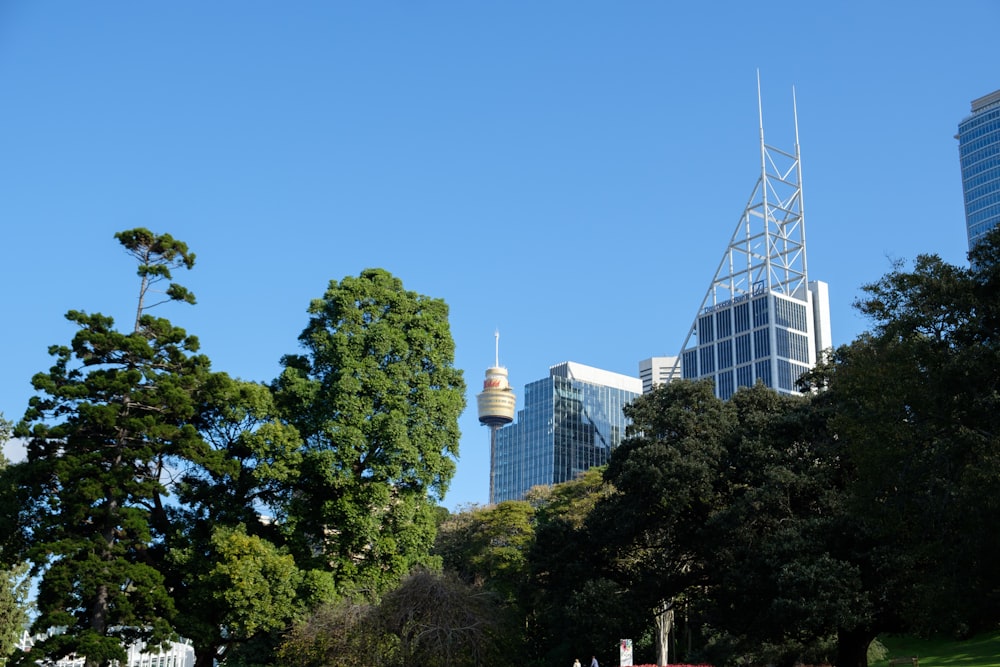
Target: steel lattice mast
point(767, 252)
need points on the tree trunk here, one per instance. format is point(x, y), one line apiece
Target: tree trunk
point(852, 647)
point(664, 624)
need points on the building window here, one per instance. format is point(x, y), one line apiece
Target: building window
point(744, 376)
point(707, 359)
point(791, 345)
point(689, 367)
point(743, 351)
point(764, 372)
point(761, 343)
point(706, 332)
point(724, 385)
point(760, 311)
point(784, 375)
point(790, 314)
point(724, 353)
point(741, 313)
point(723, 323)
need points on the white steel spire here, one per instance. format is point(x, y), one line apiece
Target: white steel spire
point(767, 252)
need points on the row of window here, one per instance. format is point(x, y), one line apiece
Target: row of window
point(976, 134)
point(721, 324)
point(788, 344)
point(978, 230)
point(727, 381)
point(983, 211)
point(984, 149)
point(975, 174)
point(792, 345)
point(790, 314)
point(986, 198)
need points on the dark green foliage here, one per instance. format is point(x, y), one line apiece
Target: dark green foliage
point(723, 510)
point(228, 571)
point(917, 405)
point(111, 415)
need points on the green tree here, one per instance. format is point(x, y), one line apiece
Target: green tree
point(916, 404)
point(488, 549)
point(377, 399)
point(429, 618)
point(724, 510)
point(572, 608)
point(110, 417)
point(236, 497)
point(14, 582)
point(489, 546)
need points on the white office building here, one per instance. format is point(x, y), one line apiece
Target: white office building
point(762, 319)
point(657, 370)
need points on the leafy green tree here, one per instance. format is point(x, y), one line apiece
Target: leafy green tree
point(14, 607)
point(110, 417)
point(488, 549)
point(429, 618)
point(232, 506)
point(489, 546)
point(915, 404)
point(376, 398)
point(725, 510)
point(572, 608)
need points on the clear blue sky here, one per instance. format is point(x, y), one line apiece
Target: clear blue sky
point(568, 172)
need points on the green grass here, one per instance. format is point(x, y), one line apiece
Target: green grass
point(980, 651)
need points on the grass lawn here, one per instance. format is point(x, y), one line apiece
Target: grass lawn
point(980, 651)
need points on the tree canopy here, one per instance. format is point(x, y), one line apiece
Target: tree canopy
point(376, 398)
point(109, 417)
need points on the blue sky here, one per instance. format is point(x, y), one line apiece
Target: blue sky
point(569, 173)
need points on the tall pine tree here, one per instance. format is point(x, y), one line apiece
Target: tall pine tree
point(109, 421)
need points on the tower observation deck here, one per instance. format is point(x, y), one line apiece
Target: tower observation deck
point(496, 408)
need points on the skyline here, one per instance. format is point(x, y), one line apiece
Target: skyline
point(568, 174)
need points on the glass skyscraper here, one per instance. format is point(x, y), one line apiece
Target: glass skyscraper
point(979, 156)
point(570, 422)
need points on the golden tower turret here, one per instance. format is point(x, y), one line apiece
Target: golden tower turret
point(496, 408)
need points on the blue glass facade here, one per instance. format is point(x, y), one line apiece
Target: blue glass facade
point(566, 426)
point(979, 156)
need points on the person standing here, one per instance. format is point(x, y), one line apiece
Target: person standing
point(593, 661)
point(576, 662)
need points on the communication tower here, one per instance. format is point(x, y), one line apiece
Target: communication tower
point(496, 408)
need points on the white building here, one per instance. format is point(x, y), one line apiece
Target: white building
point(179, 654)
point(657, 370)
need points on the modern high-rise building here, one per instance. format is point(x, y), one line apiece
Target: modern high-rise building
point(570, 422)
point(762, 319)
point(979, 156)
point(657, 370)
